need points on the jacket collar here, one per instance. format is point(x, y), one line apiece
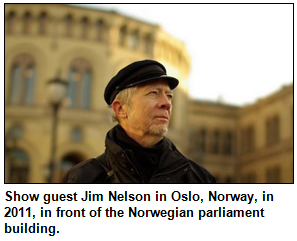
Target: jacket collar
point(170, 160)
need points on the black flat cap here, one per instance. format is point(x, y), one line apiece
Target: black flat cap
point(134, 74)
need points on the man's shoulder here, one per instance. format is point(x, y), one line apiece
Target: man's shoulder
point(202, 173)
point(89, 171)
point(198, 174)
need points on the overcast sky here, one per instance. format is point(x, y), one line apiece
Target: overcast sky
point(239, 52)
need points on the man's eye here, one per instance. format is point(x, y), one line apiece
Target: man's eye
point(170, 96)
point(153, 92)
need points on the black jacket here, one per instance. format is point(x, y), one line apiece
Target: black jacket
point(116, 166)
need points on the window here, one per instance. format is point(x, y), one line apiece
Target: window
point(11, 22)
point(84, 27)
point(216, 142)
point(202, 140)
point(27, 20)
point(43, 23)
point(14, 134)
point(272, 130)
point(133, 39)
point(248, 139)
point(273, 174)
point(228, 143)
point(179, 56)
point(101, 31)
point(68, 25)
point(79, 79)
point(123, 36)
point(148, 44)
point(22, 80)
point(19, 165)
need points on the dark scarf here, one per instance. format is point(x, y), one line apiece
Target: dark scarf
point(145, 159)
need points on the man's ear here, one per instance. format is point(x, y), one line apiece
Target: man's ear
point(119, 109)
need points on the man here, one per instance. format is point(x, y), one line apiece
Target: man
point(140, 96)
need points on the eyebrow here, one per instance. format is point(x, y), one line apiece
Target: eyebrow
point(159, 88)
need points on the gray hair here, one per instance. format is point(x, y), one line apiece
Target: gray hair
point(125, 97)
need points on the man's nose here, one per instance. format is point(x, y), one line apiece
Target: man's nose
point(165, 102)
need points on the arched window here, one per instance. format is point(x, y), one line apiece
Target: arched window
point(84, 27)
point(148, 44)
point(273, 174)
point(133, 39)
point(19, 165)
point(101, 30)
point(248, 139)
point(272, 130)
point(179, 57)
point(68, 25)
point(228, 143)
point(79, 78)
point(202, 140)
point(43, 19)
point(27, 21)
point(123, 36)
point(22, 80)
point(216, 142)
point(11, 22)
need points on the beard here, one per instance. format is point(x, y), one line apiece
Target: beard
point(153, 129)
point(157, 130)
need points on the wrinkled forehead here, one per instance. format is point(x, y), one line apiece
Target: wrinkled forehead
point(159, 83)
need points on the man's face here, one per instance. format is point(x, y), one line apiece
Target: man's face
point(149, 110)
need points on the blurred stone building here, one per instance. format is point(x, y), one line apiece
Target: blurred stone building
point(87, 47)
point(251, 144)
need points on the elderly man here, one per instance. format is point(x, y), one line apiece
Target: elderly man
point(140, 96)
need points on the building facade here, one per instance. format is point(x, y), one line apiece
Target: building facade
point(86, 47)
point(251, 144)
